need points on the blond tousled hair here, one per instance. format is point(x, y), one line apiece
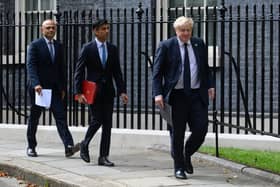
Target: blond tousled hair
point(182, 21)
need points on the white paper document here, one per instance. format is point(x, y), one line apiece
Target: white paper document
point(44, 100)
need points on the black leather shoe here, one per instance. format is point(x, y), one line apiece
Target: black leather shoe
point(31, 152)
point(84, 154)
point(71, 150)
point(188, 165)
point(180, 174)
point(103, 161)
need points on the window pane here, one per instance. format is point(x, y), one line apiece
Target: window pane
point(31, 5)
point(198, 16)
point(176, 3)
point(47, 4)
point(194, 3)
point(211, 2)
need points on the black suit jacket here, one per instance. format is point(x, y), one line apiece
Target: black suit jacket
point(89, 64)
point(168, 67)
point(40, 68)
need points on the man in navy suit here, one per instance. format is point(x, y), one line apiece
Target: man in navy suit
point(46, 70)
point(100, 60)
point(181, 78)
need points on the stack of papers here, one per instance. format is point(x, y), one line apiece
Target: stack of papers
point(44, 100)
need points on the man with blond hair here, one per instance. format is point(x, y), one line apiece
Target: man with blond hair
point(181, 78)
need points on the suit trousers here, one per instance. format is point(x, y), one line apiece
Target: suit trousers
point(57, 108)
point(191, 110)
point(100, 115)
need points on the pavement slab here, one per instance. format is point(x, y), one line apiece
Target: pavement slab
point(151, 166)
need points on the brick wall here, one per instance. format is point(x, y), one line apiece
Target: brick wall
point(7, 5)
point(270, 38)
point(94, 4)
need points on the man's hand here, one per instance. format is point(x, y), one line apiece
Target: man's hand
point(38, 89)
point(124, 98)
point(211, 93)
point(159, 101)
point(62, 94)
point(81, 98)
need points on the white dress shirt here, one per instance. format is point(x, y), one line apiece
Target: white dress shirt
point(99, 47)
point(195, 83)
point(52, 45)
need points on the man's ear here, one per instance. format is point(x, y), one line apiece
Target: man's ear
point(94, 31)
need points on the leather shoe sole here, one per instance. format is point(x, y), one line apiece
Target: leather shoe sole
point(106, 164)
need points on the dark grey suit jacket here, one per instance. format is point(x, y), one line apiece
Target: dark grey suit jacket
point(167, 67)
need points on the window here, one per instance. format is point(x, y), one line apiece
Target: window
point(37, 11)
point(39, 5)
point(33, 12)
point(169, 10)
point(197, 10)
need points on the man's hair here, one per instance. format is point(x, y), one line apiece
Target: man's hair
point(181, 21)
point(99, 23)
point(46, 20)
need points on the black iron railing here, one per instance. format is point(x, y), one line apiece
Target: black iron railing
point(247, 83)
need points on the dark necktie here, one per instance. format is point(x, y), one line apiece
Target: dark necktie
point(51, 51)
point(187, 73)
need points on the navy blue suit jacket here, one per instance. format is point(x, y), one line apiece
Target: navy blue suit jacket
point(168, 67)
point(89, 64)
point(40, 68)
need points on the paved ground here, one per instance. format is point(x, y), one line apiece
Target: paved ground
point(150, 166)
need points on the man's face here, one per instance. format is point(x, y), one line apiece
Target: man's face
point(184, 32)
point(102, 32)
point(48, 29)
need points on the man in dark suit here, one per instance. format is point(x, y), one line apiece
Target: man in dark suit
point(181, 78)
point(46, 70)
point(100, 59)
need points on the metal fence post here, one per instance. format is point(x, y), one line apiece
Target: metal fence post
point(58, 16)
point(222, 9)
point(139, 12)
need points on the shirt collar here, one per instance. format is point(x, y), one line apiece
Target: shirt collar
point(182, 43)
point(47, 40)
point(99, 43)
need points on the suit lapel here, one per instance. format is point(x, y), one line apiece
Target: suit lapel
point(177, 51)
point(109, 53)
point(95, 50)
point(196, 52)
point(56, 50)
point(46, 48)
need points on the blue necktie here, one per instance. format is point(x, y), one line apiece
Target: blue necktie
point(103, 55)
point(51, 51)
point(187, 73)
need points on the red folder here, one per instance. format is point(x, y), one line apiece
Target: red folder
point(89, 90)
